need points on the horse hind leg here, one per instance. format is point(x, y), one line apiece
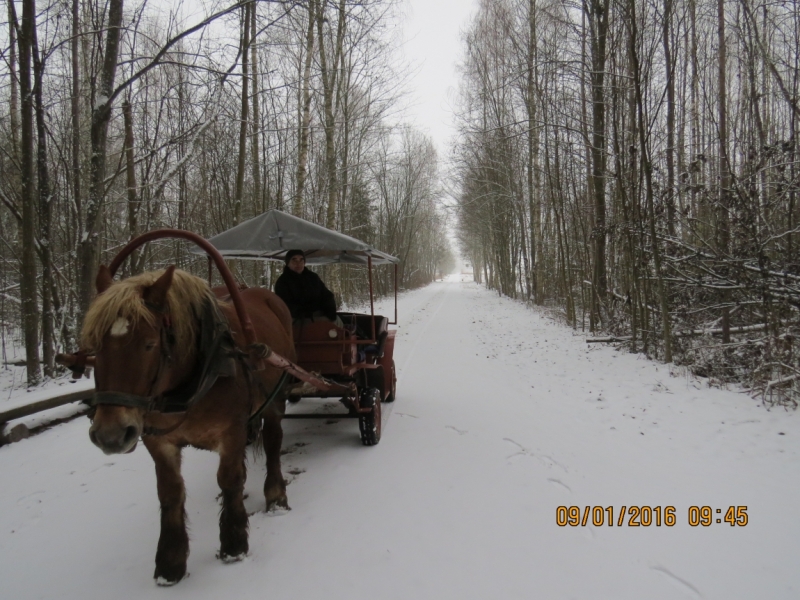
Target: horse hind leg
point(233, 521)
point(173, 542)
point(274, 484)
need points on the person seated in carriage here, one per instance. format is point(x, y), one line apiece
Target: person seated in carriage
point(304, 292)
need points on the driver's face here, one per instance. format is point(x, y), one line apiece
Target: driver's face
point(297, 263)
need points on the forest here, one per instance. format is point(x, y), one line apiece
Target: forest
point(119, 117)
point(629, 165)
point(632, 165)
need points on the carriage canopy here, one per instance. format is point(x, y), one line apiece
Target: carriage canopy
point(270, 235)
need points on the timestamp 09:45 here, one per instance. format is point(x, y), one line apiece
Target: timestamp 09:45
point(646, 516)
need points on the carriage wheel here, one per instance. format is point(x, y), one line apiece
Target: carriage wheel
point(370, 423)
point(393, 389)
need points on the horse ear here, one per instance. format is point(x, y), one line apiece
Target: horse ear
point(103, 280)
point(156, 294)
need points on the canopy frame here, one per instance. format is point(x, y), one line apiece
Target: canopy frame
point(271, 235)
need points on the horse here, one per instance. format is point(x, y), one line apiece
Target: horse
point(147, 334)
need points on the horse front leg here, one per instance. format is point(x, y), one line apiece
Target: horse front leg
point(231, 477)
point(173, 543)
point(274, 484)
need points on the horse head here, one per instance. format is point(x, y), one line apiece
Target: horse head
point(131, 335)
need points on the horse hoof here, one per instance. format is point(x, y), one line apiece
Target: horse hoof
point(277, 511)
point(170, 576)
point(278, 507)
point(164, 582)
point(232, 558)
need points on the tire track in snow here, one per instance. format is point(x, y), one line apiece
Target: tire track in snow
point(684, 586)
point(419, 334)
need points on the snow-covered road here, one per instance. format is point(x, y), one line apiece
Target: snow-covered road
point(502, 416)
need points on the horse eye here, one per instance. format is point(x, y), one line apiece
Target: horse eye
point(149, 346)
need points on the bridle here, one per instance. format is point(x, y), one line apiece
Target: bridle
point(151, 402)
point(213, 356)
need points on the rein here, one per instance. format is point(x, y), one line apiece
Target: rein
point(268, 399)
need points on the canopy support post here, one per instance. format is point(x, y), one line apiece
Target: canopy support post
point(395, 295)
point(371, 296)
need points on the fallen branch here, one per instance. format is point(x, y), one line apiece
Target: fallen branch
point(743, 329)
point(607, 340)
point(781, 381)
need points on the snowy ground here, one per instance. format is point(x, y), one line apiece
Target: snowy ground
point(502, 416)
point(14, 392)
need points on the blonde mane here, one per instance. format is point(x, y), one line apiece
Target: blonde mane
point(185, 299)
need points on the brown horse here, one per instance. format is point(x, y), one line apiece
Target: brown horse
point(145, 332)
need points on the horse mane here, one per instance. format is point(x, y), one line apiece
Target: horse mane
point(185, 299)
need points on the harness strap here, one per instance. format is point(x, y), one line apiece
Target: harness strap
point(268, 399)
point(121, 399)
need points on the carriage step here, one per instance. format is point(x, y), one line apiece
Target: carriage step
point(322, 416)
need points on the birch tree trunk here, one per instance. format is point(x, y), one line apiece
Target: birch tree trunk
point(305, 118)
point(534, 197)
point(329, 74)
point(245, 51)
point(45, 203)
point(647, 170)
point(724, 173)
point(598, 28)
point(75, 114)
point(130, 184)
point(30, 307)
point(89, 242)
point(256, 129)
point(669, 196)
point(12, 67)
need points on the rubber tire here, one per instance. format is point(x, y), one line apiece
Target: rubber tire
point(393, 389)
point(369, 424)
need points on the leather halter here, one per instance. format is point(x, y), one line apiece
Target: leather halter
point(216, 357)
point(149, 402)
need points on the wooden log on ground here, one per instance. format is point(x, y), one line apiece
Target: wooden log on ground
point(35, 407)
point(608, 340)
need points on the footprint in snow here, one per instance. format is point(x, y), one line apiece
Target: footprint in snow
point(681, 584)
point(31, 498)
point(293, 448)
point(109, 464)
point(660, 387)
point(293, 474)
point(523, 451)
point(560, 484)
point(457, 430)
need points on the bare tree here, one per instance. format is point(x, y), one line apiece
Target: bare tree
point(30, 306)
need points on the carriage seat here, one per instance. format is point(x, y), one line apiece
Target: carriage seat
point(363, 329)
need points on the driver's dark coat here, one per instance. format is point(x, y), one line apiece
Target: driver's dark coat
point(304, 294)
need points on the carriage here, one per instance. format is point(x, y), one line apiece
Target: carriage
point(358, 355)
point(353, 362)
point(179, 364)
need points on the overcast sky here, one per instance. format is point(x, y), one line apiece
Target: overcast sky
point(433, 44)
